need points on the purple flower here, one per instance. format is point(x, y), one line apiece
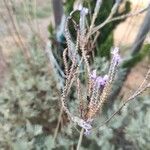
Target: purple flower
point(83, 9)
point(100, 81)
point(116, 57)
point(115, 50)
point(105, 78)
point(84, 124)
point(93, 74)
point(87, 132)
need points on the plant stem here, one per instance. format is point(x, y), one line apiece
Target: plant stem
point(58, 123)
point(80, 139)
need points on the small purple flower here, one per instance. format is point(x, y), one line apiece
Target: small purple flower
point(89, 120)
point(87, 132)
point(105, 78)
point(83, 9)
point(93, 74)
point(116, 57)
point(115, 50)
point(100, 81)
point(86, 125)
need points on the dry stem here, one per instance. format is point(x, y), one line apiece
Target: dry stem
point(80, 139)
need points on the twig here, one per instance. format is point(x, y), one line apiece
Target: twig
point(144, 81)
point(30, 24)
point(95, 38)
point(113, 11)
point(132, 97)
point(110, 19)
point(96, 10)
point(129, 15)
point(24, 48)
point(80, 139)
point(10, 31)
point(58, 123)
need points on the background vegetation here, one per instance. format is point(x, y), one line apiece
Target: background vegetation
point(30, 99)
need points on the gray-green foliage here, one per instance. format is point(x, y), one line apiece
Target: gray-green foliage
point(138, 131)
point(29, 109)
point(128, 130)
point(26, 102)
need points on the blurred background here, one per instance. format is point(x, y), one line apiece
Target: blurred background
point(30, 93)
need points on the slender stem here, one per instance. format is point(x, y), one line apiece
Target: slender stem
point(110, 19)
point(80, 139)
point(96, 10)
point(58, 123)
point(22, 45)
point(137, 93)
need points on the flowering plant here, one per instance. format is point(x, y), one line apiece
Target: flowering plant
point(97, 88)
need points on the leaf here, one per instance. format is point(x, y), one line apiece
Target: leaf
point(49, 142)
